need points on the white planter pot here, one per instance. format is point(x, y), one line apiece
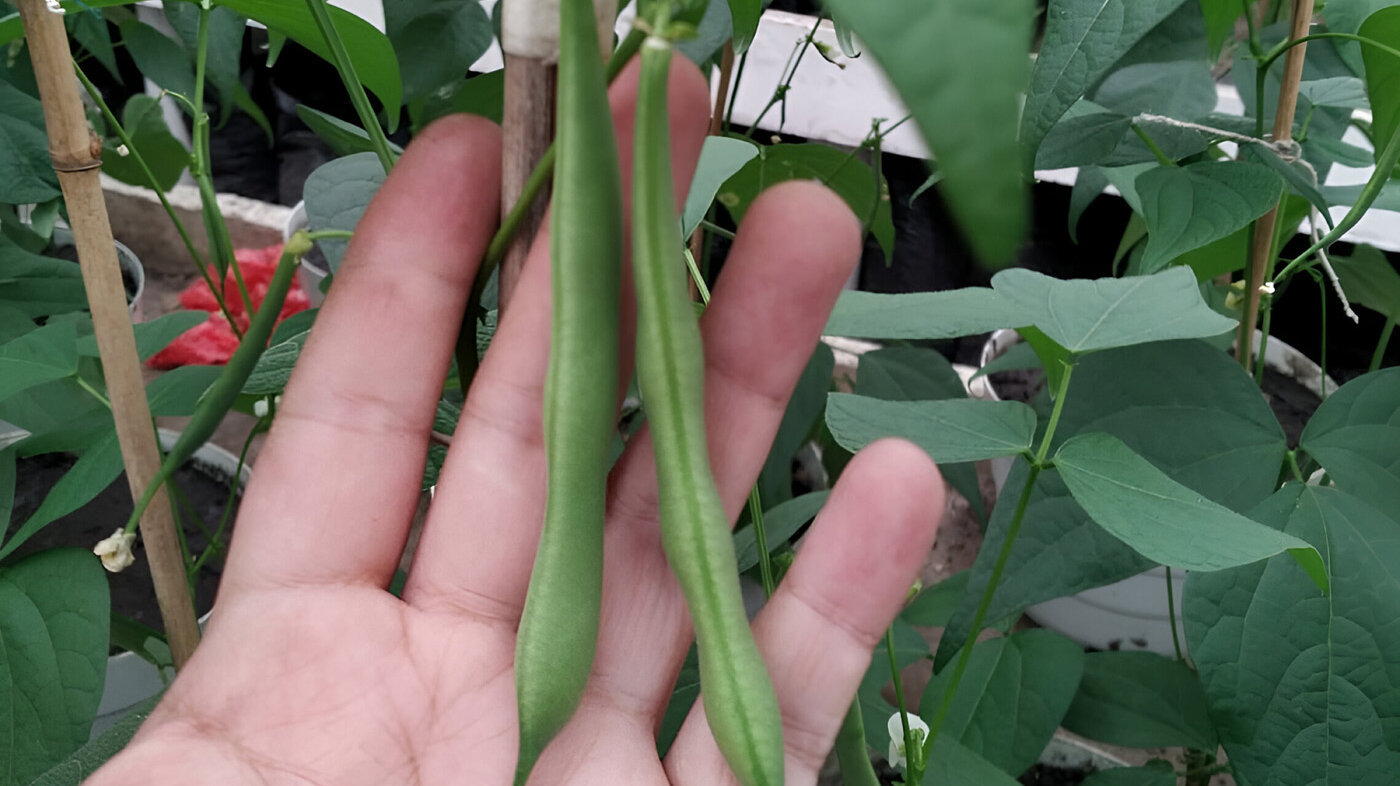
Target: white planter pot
point(308, 274)
point(1130, 614)
point(131, 679)
point(130, 265)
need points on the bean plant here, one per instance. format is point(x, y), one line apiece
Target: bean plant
point(1151, 445)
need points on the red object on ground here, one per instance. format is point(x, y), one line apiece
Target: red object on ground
point(214, 342)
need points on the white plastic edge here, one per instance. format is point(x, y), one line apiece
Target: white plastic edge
point(530, 28)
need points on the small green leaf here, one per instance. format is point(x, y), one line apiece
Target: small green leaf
point(94, 471)
point(151, 138)
point(1141, 700)
point(269, 377)
point(926, 48)
point(25, 168)
point(1355, 436)
point(177, 392)
point(720, 159)
point(337, 194)
point(949, 431)
point(745, 14)
point(38, 356)
point(482, 95)
point(1086, 134)
point(38, 286)
point(1220, 18)
point(1087, 315)
point(922, 315)
point(779, 524)
point(1346, 92)
point(714, 30)
point(1188, 207)
point(344, 138)
point(1012, 696)
point(1164, 520)
point(1370, 280)
point(1382, 72)
point(160, 58)
point(803, 413)
point(154, 335)
point(436, 41)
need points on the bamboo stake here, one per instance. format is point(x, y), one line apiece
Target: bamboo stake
point(1261, 252)
point(76, 155)
point(527, 124)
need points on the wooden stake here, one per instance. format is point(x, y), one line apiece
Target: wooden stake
point(76, 155)
point(1261, 252)
point(527, 124)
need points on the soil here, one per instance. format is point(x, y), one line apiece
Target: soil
point(83, 528)
point(1022, 384)
point(70, 253)
point(1292, 403)
point(1046, 775)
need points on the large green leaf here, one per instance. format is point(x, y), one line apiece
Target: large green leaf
point(852, 180)
point(343, 138)
point(436, 41)
point(1011, 698)
point(1164, 520)
point(94, 471)
point(949, 431)
point(800, 418)
point(927, 48)
point(25, 169)
point(1305, 688)
point(370, 50)
point(1355, 435)
point(160, 58)
point(1087, 315)
point(720, 159)
point(1191, 206)
point(1347, 16)
point(919, 374)
point(38, 356)
point(1383, 72)
point(38, 286)
point(745, 14)
point(482, 95)
point(1370, 280)
point(922, 315)
point(176, 393)
point(54, 613)
point(779, 524)
point(337, 194)
point(1141, 700)
point(953, 764)
point(151, 137)
point(1083, 39)
point(154, 335)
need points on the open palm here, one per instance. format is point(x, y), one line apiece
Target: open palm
point(312, 673)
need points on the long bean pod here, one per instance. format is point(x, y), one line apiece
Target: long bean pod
point(221, 395)
point(559, 625)
point(739, 701)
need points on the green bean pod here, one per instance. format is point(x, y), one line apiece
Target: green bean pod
point(217, 401)
point(739, 701)
point(559, 625)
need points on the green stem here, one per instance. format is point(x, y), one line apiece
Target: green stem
point(358, 97)
point(92, 391)
point(699, 280)
point(1274, 54)
point(1255, 48)
point(914, 766)
point(851, 753)
point(1266, 304)
point(1171, 615)
point(717, 229)
point(1162, 157)
point(780, 92)
point(760, 534)
point(1297, 471)
point(1381, 345)
point(999, 566)
point(734, 91)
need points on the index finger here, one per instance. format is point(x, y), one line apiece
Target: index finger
point(338, 480)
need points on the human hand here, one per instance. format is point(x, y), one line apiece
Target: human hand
point(312, 673)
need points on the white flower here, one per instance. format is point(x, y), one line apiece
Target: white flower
point(917, 729)
point(260, 408)
point(123, 151)
point(53, 5)
point(1267, 288)
point(115, 551)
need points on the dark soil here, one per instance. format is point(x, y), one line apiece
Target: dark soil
point(83, 528)
point(1046, 775)
point(1292, 403)
point(70, 253)
point(1022, 384)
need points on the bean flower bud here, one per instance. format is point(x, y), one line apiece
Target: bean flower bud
point(115, 551)
point(55, 7)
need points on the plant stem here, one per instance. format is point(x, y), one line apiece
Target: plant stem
point(717, 229)
point(1292, 457)
point(1263, 341)
point(1162, 157)
point(765, 565)
point(1054, 415)
point(780, 92)
point(1269, 58)
point(1383, 343)
point(1171, 615)
point(734, 91)
point(356, 91)
point(913, 766)
point(92, 391)
point(1254, 46)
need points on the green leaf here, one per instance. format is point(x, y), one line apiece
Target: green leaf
point(25, 168)
point(177, 392)
point(1086, 134)
point(921, 315)
point(715, 28)
point(77, 767)
point(343, 138)
point(845, 38)
point(1355, 436)
point(151, 137)
point(337, 194)
point(919, 374)
point(1182, 89)
point(1299, 176)
point(953, 764)
point(482, 95)
point(803, 413)
point(436, 41)
point(91, 31)
point(933, 607)
point(1220, 18)
point(1370, 280)
point(11, 27)
point(94, 471)
point(949, 431)
point(154, 335)
point(1011, 698)
point(1083, 39)
point(269, 377)
point(1164, 520)
point(745, 14)
point(1305, 688)
point(370, 50)
point(851, 179)
point(1087, 315)
point(225, 46)
point(1389, 198)
point(160, 58)
point(779, 524)
point(1141, 700)
point(1347, 92)
point(1188, 207)
point(38, 356)
point(53, 658)
point(1155, 773)
point(927, 47)
point(720, 158)
point(1383, 72)
point(1088, 186)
